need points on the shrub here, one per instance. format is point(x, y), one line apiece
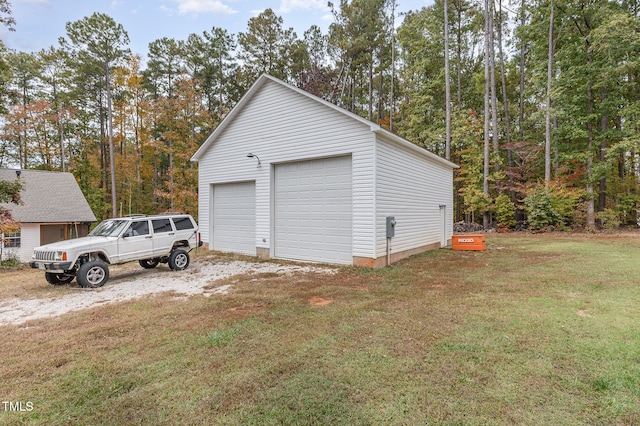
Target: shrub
point(540, 211)
point(505, 211)
point(10, 263)
point(627, 207)
point(609, 219)
point(553, 206)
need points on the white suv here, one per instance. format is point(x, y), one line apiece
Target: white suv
point(148, 239)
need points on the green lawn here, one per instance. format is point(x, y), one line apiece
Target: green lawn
point(538, 330)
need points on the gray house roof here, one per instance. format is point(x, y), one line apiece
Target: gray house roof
point(48, 197)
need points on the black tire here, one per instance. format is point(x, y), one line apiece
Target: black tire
point(178, 260)
point(93, 274)
point(149, 263)
point(58, 279)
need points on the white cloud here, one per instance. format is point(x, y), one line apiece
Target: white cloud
point(203, 6)
point(287, 6)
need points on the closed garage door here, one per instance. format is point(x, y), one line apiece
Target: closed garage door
point(234, 217)
point(313, 210)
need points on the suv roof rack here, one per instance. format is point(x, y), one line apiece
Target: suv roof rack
point(136, 215)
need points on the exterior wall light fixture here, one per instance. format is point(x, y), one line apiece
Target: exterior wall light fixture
point(250, 155)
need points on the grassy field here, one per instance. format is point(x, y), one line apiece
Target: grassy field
point(537, 330)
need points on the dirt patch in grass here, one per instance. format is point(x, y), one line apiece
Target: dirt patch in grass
point(319, 301)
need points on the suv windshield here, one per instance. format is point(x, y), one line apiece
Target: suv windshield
point(109, 228)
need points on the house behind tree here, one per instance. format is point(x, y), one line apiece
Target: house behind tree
point(53, 209)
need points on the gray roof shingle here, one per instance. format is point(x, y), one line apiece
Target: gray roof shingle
point(52, 197)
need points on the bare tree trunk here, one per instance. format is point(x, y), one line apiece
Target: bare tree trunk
point(370, 113)
point(380, 97)
point(171, 177)
point(547, 145)
point(591, 215)
point(447, 82)
point(112, 161)
point(523, 50)
point(505, 98)
point(23, 151)
point(63, 159)
point(494, 105)
point(220, 87)
point(604, 126)
point(138, 121)
point(352, 105)
point(487, 110)
point(393, 63)
point(104, 177)
point(156, 172)
point(340, 80)
point(459, 54)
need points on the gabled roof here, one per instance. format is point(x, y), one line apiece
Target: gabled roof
point(48, 197)
point(266, 78)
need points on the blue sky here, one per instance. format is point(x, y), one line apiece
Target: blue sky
point(41, 22)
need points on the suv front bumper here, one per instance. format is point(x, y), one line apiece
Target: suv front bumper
point(51, 266)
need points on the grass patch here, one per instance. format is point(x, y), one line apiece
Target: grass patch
point(539, 329)
point(225, 336)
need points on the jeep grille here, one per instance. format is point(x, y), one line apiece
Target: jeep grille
point(45, 255)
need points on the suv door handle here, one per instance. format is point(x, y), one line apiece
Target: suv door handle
point(148, 238)
point(172, 233)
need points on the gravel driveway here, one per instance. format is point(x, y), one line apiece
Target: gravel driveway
point(198, 278)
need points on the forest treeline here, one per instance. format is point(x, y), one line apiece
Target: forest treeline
point(537, 101)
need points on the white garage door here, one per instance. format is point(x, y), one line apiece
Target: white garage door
point(234, 217)
point(313, 210)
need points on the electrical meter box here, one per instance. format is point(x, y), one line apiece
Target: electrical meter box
point(391, 226)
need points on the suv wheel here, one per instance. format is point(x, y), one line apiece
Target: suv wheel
point(178, 260)
point(149, 263)
point(58, 279)
point(93, 274)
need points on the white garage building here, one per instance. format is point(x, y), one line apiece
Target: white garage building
point(290, 176)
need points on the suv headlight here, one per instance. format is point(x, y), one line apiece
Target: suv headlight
point(60, 256)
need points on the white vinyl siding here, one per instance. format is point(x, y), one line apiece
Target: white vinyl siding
point(280, 125)
point(283, 125)
point(29, 239)
point(313, 210)
point(411, 188)
point(234, 217)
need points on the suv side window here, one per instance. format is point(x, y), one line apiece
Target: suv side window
point(161, 225)
point(138, 228)
point(182, 223)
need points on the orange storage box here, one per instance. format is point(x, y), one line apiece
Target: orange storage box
point(469, 242)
